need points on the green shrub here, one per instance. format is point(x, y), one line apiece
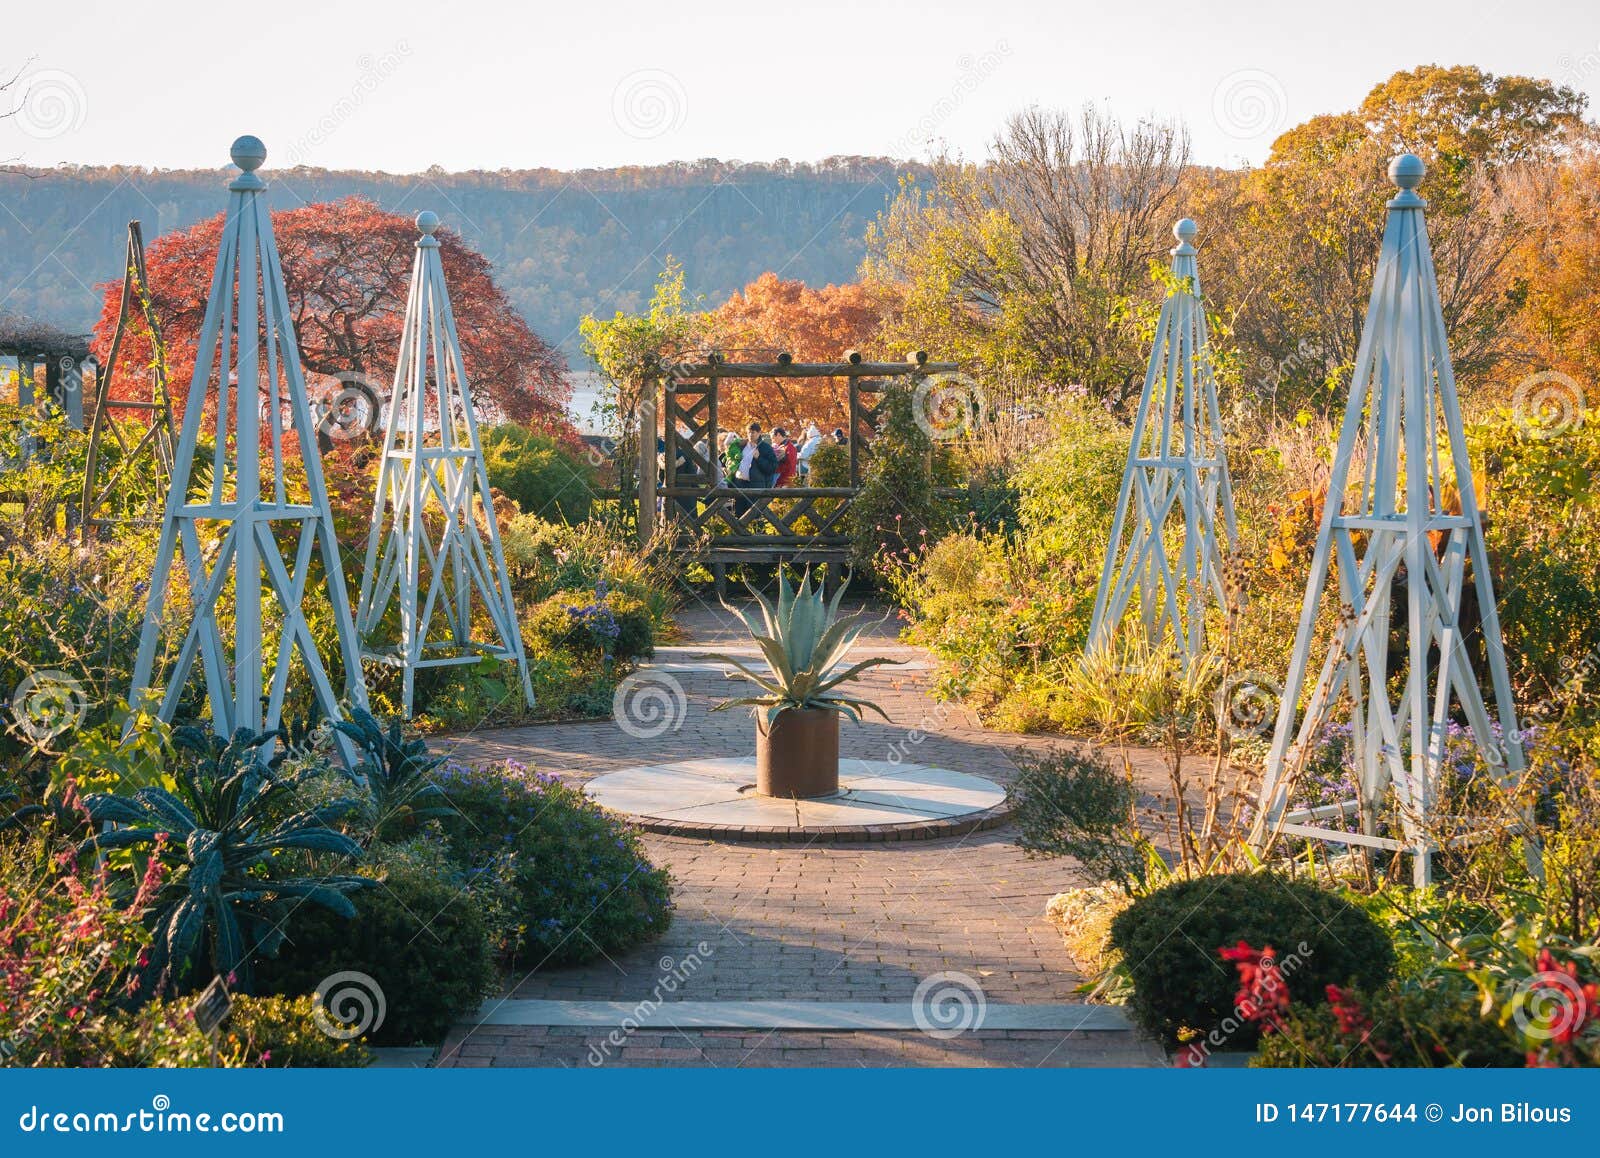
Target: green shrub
point(898, 510)
point(1067, 489)
point(1539, 986)
point(258, 1032)
point(1420, 922)
point(830, 465)
point(993, 500)
point(1391, 1026)
point(538, 473)
point(545, 558)
point(68, 636)
point(1544, 539)
point(282, 1031)
point(159, 1035)
point(420, 934)
point(1071, 802)
point(1169, 942)
point(1006, 611)
point(614, 624)
point(582, 883)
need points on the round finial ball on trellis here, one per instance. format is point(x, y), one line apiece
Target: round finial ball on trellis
point(1407, 170)
point(1185, 230)
point(428, 221)
point(248, 153)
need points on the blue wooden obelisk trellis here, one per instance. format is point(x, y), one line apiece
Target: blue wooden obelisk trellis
point(424, 548)
point(1174, 517)
point(1403, 433)
point(221, 527)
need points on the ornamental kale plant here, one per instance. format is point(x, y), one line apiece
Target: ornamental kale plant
point(397, 774)
point(225, 844)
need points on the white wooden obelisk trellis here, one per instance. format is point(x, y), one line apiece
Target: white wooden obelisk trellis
point(1166, 541)
point(1402, 400)
point(224, 530)
point(424, 549)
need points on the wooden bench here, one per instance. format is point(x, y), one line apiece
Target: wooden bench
point(764, 525)
point(798, 553)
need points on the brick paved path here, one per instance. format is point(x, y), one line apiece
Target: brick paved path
point(750, 1049)
point(820, 923)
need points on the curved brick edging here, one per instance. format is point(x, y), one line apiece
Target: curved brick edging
point(841, 834)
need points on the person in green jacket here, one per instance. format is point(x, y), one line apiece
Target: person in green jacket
point(732, 455)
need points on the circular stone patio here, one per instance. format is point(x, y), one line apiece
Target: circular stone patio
point(877, 800)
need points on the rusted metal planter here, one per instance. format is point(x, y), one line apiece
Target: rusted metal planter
point(798, 757)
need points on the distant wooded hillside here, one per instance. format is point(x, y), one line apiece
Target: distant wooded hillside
point(563, 244)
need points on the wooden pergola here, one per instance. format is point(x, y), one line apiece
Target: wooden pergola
point(793, 524)
point(47, 356)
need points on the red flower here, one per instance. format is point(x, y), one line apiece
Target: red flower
point(1353, 1020)
point(1263, 993)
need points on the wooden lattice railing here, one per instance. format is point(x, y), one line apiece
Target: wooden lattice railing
point(767, 524)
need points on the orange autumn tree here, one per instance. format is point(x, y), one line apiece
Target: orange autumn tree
point(772, 316)
point(347, 268)
point(1555, 272)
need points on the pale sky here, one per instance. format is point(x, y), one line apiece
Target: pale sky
point(403, 85)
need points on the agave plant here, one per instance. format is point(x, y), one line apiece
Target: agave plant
point(222, 838)
point(397, 773)
point(804, 642)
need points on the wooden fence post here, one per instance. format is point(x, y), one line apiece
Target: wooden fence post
point(647, 456)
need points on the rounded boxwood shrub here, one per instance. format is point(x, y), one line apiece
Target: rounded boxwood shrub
point(543, 476)
point(1169, 941)
point(581, 884)
point(418, 933)
point(601, 622)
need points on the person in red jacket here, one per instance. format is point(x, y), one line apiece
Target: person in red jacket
point(788, 457)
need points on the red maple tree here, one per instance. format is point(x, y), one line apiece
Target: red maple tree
point(347, 270)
